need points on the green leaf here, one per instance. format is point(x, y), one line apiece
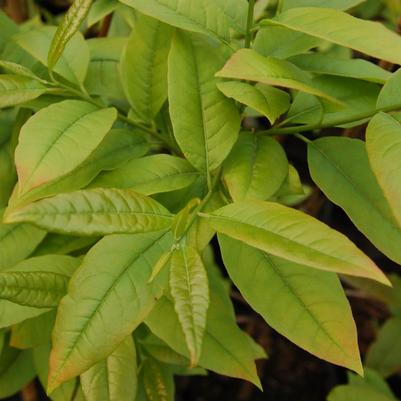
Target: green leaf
point(38, 282)
point(305, 296)
point(17, 241)
point(368, 37)
point(16, 370)
point(20, 70)
point(103, 77)
point(280, 42)
point(73, 63)
point(70, 24)
point(337, 4)
point(104, 305)
point(256, 168)
point(16, 89)
point(100, 9)
point(58, 244)
point(226, 349)
point(158, 381)
point(95, 212)
point(371, 378)
point(190, 291)
point(246, 64)
point(144, 67)
point(57, 139)
point(330, 65)
point(389, 95)
point(383, 144)
point(205, 122)
point(221, 17)
point(357, 393)
point(294, 236)
point(384, 355)
point(159, 173)
point(340, 167)
point(113, 379)
point(117, 147)
point(268, 101)
point(33, 332)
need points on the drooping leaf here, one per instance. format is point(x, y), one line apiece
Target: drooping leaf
point(246, 64)
point(95, 212)
point(383, 144)
point(57, 139)
point(256, 168)
point(226, 349)
point(220, 18)
point(16, 89)
point(70, 24)
point(384, 355)
point(294, 236)
point(205, 122)
point(73, 63)
point(268, 101)
point(16, 370)
point(144, 67)
point(330, 65)
point(158, 381)
point(103, 305)
point(336, 26)
point(158, 173)
point(190, 291)
point(340, 167)
point(113, 379)
point(305, 296)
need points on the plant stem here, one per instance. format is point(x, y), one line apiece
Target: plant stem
point(75, 390)
point(249, 25)
point(332, 123)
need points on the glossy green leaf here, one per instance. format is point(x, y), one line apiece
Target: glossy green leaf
point(372, 379)
point(330, 65)
point(389, 95)
point(340, 167)
point(368, 37)
point(280, 42)
point(205, 122)
point(337, 4)
point(221, 18)
point(144, 67)
point(118, 147)
point(20, 70)
point(268, 101)
point(190, 291)
point(104, 305)
point(16, 370)
point(70, 24)
point(95, 212)
point(383, 144)
point(57, 139)
point(113, 379)
point(305, 296)
point(15, 89)
point(256, 168)
point(294, 236)
point(158, 173)
point(246, 64)
point(384, 355)
point(226, 349)
point(73, 63)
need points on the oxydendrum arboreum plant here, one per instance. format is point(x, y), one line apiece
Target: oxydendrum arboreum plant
point(122, 156)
